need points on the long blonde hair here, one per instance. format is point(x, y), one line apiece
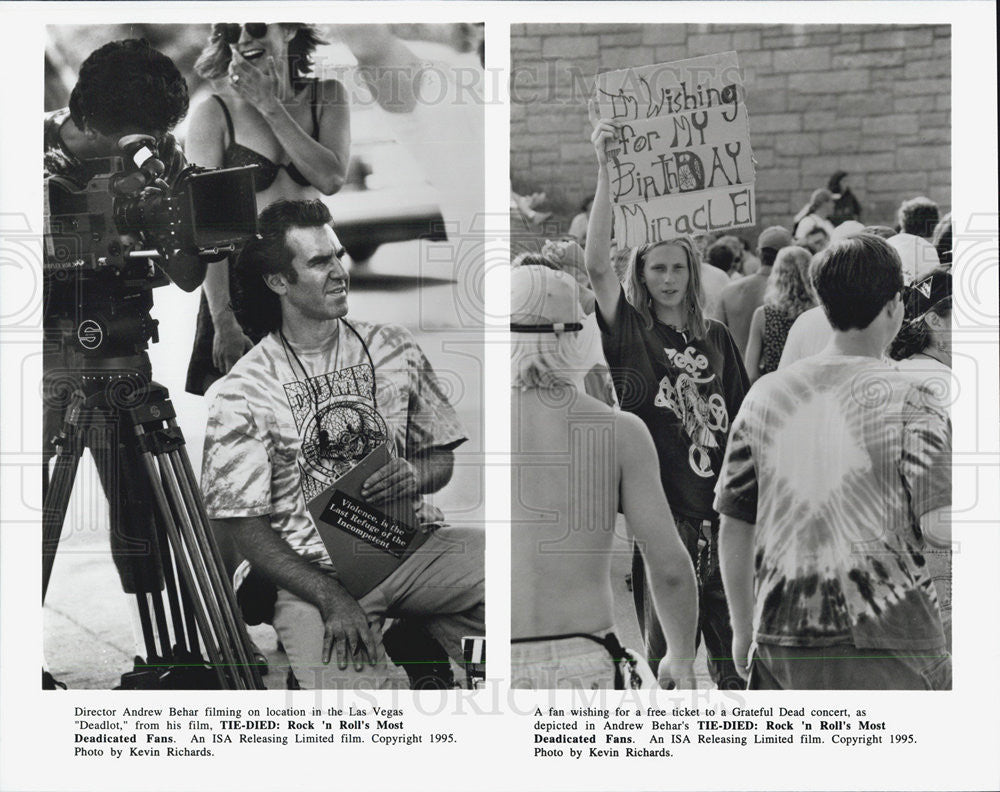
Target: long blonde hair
point(788, 287)
point(638, 295)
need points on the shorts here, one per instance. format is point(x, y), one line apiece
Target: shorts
point(562, 663)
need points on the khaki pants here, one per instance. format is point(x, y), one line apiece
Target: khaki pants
point(442, 585)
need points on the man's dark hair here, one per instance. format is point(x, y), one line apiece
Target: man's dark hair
point(767, 256)
point(855, 278)
point(128, 85)
point(720, 255)
point(257, 308)
point(918, 216)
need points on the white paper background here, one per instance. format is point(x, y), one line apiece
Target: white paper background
point(958, 732)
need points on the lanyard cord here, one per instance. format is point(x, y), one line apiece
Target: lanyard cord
point(315, 392)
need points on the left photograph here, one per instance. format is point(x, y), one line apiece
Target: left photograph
point(263, 380)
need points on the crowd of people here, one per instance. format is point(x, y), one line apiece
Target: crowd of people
point(796, 401)
point(298, 395)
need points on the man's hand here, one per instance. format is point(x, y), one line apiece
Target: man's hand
point(741, 653)
point(393, 481)
point(229, 345)
point(676, 673)
point(346, 627)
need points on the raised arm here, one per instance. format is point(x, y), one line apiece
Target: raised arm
point(668, 566)
point(344, 622)
point(385, 63)
point(324, 161)
point(597, 254)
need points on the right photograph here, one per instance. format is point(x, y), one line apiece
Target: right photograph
point(731, 253)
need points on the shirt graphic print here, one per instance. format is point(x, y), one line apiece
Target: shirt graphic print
point(701, 416)
point(338, 423)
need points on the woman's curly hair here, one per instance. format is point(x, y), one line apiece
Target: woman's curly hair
point(128, 84)
point(788, 286)
point(214, 59)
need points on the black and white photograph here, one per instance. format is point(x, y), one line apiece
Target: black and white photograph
point(658, 341)
point(747, 230)
point(317, 524)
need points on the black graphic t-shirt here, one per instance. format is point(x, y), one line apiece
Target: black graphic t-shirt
point(686, 390)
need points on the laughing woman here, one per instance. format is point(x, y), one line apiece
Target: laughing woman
point(270, 113)
point(682, 375)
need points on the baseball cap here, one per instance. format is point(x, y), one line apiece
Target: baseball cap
point(543, 300)
point(774, 237)
point(923, 294)
point(847, 229)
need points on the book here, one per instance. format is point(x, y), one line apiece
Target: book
point(366, 543)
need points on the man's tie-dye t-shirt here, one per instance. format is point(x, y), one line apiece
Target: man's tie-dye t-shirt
point(282, 428)
point(835, 459)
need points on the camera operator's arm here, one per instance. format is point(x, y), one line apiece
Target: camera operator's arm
point(324, 161)
point(345, 625)
point(206, 147)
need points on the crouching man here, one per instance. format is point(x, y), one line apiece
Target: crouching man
point(574, 462)
point(303, 407)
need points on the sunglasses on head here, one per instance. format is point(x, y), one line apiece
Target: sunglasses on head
point(230, 31)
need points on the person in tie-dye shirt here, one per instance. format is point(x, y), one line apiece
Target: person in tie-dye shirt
point(836, 481)
point(304, 406)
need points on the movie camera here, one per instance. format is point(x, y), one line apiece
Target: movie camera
point(108, 243)
point(110, 240)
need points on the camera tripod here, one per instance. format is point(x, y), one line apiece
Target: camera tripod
point(161, 537)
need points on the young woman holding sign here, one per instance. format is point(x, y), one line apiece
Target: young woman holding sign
point(681, 373)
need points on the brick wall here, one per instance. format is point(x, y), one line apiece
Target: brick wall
point(871, 100)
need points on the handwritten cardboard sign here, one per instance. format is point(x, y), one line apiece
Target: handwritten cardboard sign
point(682, 162)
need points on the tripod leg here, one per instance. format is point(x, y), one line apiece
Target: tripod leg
point(181, 640)
point(160, 615)
point(184, 476)
point(153, 655)
point(54, 510)
point(190, 579)
point(223, 618)
point(59, 488)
